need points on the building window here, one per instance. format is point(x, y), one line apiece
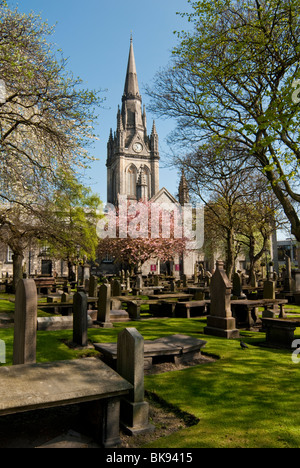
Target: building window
point(10, 254)
point(131, 182)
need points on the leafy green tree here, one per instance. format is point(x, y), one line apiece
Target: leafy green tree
point(47, 122)
point(239, 209)
point(71, 227)
point(233, 80)
point(47, 119)
point(66, 224)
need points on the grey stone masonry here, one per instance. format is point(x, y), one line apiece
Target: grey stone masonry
point(80, 319)
point(25, 328)
point(220, 322)
point(104, 300)
point(130, 365)
point(93, 286)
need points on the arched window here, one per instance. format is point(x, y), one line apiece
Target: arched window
point(131, 181)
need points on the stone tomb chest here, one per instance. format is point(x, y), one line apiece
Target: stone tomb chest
point(174, 348)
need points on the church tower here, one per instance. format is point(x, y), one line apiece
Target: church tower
point(132, 155)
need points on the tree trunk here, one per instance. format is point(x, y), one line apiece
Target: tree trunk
point(17, 269)
point(230, 254)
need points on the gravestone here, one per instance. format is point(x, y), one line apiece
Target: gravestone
point(86, 272)
point(93, 286)
point(139, 283)
point(220, 321)
point(184, 281)
point(86, 285)
point(237, 287)
point(208, 277)
point(66, 298)
point(130, 365)
point(297, 287)
point(104, 300)
point(156, 280)
point(80, 319)
point(122, 276)
point(288, 280)
point(66, 287)
point(253, 280)
point(116, 288)
point(269, 292)
point(134, 310)
point(25, 327)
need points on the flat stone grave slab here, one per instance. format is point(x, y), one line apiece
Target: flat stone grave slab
point(173, 348)
point(178, 296)
point(35, 386)
point(119, 316)
point(57, 323)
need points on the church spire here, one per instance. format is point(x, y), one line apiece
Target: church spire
point(131, 89)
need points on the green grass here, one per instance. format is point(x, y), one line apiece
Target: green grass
point(8, 307)
point(244, 399)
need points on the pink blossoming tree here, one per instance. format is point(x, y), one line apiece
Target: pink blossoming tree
point(134, 233)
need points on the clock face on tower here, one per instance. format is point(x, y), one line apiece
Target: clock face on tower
point(137, 147)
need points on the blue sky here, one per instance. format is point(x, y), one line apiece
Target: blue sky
point(95, 36)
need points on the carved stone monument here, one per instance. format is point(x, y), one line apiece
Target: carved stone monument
point(130, 365)
point(220, 321)
point(25, 327)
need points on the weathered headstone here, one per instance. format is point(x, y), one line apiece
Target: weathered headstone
point(116, 288)
point(269, 292)
point(66, 287)
point(86, 284)
point(130, 365)
point(93, 286)
point(80, 319)
point(25, 327)
point(66, 297)
point(86, 271)
point(104, 300)
point(134, 310)
point(220, 321)
point(184, 281)
point(297, 287)
point(237, 287)
point(122, 276)
point(139, 282)
point(288, 280)
point(208, 277)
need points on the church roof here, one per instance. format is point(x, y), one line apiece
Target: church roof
point(164, 196)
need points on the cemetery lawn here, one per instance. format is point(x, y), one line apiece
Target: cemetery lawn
point(245, 398)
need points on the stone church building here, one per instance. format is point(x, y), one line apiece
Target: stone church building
point(133, 163)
